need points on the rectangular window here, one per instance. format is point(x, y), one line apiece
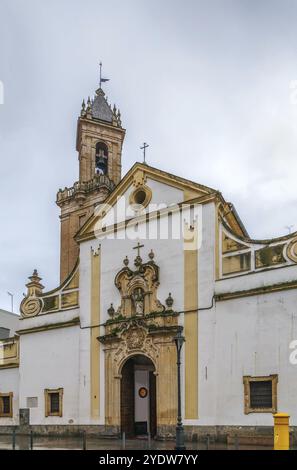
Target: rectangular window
point(6, 405)
point(53, 402)
point(260, 394)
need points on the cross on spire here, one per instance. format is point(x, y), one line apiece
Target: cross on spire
point(102, 80)
point(138, 248)
point(144, 147)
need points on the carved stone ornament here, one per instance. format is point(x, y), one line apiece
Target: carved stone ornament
point(135, 338)
point(138, 288)
point(139, 178)
point(31, 305)
point(292, 250)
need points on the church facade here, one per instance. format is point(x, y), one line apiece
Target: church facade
point(143, 257)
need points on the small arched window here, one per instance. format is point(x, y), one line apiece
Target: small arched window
point(101, 159)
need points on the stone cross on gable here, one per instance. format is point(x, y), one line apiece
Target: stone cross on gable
point(144, 147)
point(138, 248)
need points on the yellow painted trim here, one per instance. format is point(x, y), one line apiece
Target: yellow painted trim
point(51, 312)
point(153, 173)
point(256, 291)
point(9, 366)
point(191, 331)
point(217, 243)
point(148, 195)
point(95, 332)
point(47, 403)
point(54, 326)
point(10, 414)
point(64, 283)
point(245, 239)
point(141, 218)
point(247, 379)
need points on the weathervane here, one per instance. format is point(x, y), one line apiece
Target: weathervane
point(102, 80)
point(144, 147)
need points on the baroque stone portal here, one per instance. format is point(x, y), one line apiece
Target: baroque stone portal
point(141, 326)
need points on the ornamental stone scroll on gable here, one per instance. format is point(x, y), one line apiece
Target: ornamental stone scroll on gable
point(36, 302)
point(138, 288)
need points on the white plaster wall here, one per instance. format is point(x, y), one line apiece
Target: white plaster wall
point(246, 336)
point(9, 382)
point(206, 256)
point(168, 256)
point(206, 277)
point(162, 196)
point(84, 400)
point(265, 278)
point(50, 359)
point(48, 319)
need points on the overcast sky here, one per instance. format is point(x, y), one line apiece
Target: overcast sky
point(205, 83)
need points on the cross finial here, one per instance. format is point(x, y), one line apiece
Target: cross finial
point(138, 248)
point(144, 147)
point(138, 259)
point(102, 80)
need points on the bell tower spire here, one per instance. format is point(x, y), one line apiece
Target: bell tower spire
point(99, 142)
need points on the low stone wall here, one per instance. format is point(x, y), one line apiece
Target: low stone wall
point(217, 433)
point(253, 435)
point(64, 430)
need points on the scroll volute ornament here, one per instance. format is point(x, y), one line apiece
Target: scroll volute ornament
point(138, 288)
point(292, 250)
point(31, 305)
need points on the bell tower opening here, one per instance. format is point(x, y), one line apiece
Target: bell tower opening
point(138, 397)
point(101, 159)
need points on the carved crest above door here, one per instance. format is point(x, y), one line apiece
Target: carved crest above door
point(138, 287)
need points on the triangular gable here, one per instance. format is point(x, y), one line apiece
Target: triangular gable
point(137, 177)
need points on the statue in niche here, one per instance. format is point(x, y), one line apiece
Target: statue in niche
point(138, 301)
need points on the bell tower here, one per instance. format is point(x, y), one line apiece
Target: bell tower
point(99, 142)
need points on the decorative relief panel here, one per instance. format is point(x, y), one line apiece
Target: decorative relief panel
point(36, 302)
point(141, 325)
point(269, 256)
point(138, 288)
point(239, 257)
point(292, 250)
point(139, 178)
point(135, 339)
point(229, 244)
point(237, 263)
point(9, 352)
point(152, 338)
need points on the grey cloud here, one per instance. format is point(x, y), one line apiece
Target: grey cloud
point(206, 83)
